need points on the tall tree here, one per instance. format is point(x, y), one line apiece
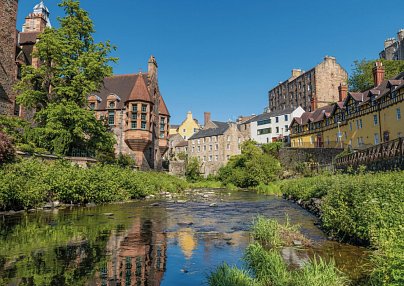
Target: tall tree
point(72, 66)
point(362, 75)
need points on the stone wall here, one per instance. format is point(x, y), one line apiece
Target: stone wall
point(177, 168)
point(291, 157)
point(8, 67)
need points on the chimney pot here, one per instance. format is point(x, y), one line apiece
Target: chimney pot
point(378, 73)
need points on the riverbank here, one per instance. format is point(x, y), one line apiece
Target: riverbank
point(364, 209)
point(30, 184)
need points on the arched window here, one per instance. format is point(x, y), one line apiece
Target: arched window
point(111, 105)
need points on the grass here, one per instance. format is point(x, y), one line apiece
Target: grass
point(267, 266)
point(271, 189)
point(207, 184)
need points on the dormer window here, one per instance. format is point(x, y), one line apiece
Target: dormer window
point(92, 105)
point(111, 105)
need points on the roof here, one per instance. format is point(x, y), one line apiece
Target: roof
point(219, 130)
point(140, 91)
point(268, 115)
point(172, 126)
point(163, 107)
point(28, 38)
point(182, 144)
point(121, 85)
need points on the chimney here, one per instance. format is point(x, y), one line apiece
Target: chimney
point(206, 116)
point(378, 73)
point(342, 91)
point(152, 67)
point(189, 115)
point(296, 72)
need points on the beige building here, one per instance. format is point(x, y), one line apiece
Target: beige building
point(394, 48)
point(310, 90)
point(215, 144)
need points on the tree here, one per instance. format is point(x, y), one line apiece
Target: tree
point(7, 152)
point(72, 66)
point(362, 74)
point(193, 169)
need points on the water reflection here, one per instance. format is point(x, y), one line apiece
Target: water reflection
point(137, 244)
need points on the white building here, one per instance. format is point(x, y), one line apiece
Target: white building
point(271, 126)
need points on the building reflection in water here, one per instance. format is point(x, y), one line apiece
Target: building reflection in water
point(137, 256)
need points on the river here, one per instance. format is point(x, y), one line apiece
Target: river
point(154, 242)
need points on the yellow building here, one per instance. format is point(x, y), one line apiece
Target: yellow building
point(187, 128)
point(359, 121)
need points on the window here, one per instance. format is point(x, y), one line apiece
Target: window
point(195, 129)
point(162, 123)
point(214, 138)
point(111, 105)
point(134, 124)
point(277, 130)
point(216, 157)
point(360, 123)
point(210, 158)
point(228, 137)
point(228, 146)
point(376, 136)
point(375, 119)
point(193, 149)
point(143, 126)
point(263, 131)
point(134, 108)
point(199, 141)
point(286, 128)
point(398, 113)
point(144, 107)
point(92, 105)
point(350, 126)
point(184, 130)
point(111, 118)
point(210, 147)
point(357, 124)
point(263, 122)
point(204, 147)
point(216, 147)
point(277, 119)
point(286, 117)
point(199, 148)
point(204, 158)
point(143, 117)
point(161, 134)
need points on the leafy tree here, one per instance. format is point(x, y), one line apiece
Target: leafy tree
point(72, 66)
point(272, 148)
point(193, 169)
point(362, 74)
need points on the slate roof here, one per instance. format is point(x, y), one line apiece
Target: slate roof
point(219, 130)
point(268, 115)
point(172, 126)
point(121, 85)
point(28, 38)
point(163, 107)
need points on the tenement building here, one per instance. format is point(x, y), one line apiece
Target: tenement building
point(310, 90)
point(187, 128)
point(394, 48)
point(271, 126)
point(215, 144)
point(135, 111)
point(361, 120)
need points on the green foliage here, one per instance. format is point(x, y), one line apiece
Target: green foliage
point(193, 169)
point(271, 189)
point(250, 169)
point(72, 67)
point(7, 152)
point(31, 183)
point(366, 207)
point(267, 266)
point(14, 127)
point(125, 161)
point(361, 78)
point(230, 276)
point(182, 156)
point(208, 184)
point(272, 148)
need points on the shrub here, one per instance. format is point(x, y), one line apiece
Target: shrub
point(7, 152)
point(225, 275)
point(193, 169)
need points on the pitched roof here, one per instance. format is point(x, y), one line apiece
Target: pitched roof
point(28, 38)
point(121, 85)
point(140, 91)
point(163, 107)
point(267, 115)
point(219, 130)
point(172, 126)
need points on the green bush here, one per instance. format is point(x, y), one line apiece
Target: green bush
point(7, 152)
point(31, 182)
point(230, 276)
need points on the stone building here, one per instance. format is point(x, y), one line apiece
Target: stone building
point(8, 48)
point(310, 90)
point(135, 111)
point(215, 144)
point(394, 48)
point(16, 49)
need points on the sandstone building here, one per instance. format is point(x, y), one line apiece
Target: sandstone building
point(187, 128)
point(310, 90)
point(135, 111)
point(215, 144)
point(394, 48)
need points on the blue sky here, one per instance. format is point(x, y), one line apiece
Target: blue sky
point(223, 56)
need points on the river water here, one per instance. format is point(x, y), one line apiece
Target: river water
point(161, 242)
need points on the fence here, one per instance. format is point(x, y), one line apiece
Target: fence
point(385, 156)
